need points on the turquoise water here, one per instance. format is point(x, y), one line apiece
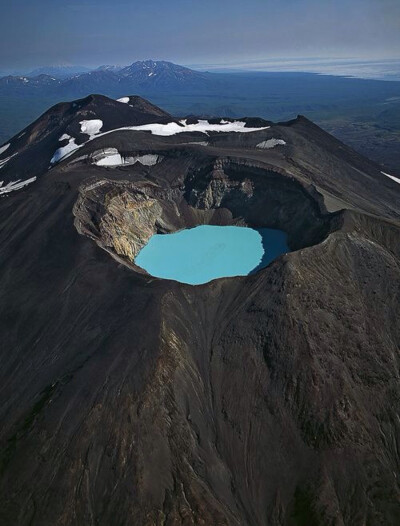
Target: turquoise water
point(201, 254)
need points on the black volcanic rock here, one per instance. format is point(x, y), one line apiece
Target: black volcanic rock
point(146, 107)
point(32, 150)
point(270, 399)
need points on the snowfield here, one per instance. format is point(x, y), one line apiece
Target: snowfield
point(124, 100)
point(68, 149)
point(270, 143)
point(15, 185)
point(391, 177)
point(202, 126)
point(112, 157)
point(91, 127)
point(3, 162)
point(147, 160)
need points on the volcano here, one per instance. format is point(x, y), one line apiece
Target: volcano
point(125, 399)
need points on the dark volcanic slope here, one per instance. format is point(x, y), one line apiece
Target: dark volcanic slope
point(263, 400)
point(31, 151)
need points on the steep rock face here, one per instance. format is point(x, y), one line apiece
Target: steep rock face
point(129, 223)
point(263, 196)
point(270, 399)
point(123, 216)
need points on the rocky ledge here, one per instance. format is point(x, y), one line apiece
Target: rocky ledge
point(122, 216)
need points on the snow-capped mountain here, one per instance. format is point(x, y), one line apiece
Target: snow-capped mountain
point(160, 72)
point(147, 74)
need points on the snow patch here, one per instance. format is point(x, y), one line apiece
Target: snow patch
point(270, 143)
point(5, 161)
point(91, 127)
point(4, 148)
point(15, 185)
point(202, 126)
point(147, 160)
point(391, 177)
point(112, 157)
point(124, 100)
point(64, 151)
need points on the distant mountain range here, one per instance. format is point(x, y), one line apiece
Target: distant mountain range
point(142, 74)
point(363, 113)
point(60, 72)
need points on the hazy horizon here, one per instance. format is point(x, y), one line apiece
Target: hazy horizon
point(90, 33)
point(385, 69)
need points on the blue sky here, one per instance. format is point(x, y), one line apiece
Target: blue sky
point(91, 33)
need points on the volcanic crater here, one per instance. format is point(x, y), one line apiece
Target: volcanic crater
point(269, 399)
point(121, 216)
